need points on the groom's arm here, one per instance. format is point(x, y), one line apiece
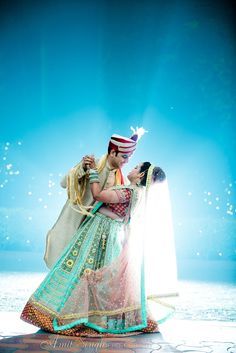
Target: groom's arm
point(81, 174)
point(81, 169)
point(63, 182)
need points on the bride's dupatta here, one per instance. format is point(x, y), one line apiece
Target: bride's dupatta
point(120, 297)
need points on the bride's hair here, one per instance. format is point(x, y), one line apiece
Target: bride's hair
point(158, 175)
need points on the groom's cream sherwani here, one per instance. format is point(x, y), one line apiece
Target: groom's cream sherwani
point(69, 219)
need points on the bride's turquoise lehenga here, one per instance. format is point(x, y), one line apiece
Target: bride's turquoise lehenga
point(97, 286)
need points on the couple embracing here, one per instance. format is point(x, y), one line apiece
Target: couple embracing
point(111, 252)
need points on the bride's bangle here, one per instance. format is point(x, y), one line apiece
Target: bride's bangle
point(93, 176)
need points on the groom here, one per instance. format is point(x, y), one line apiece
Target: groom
point(80, 200)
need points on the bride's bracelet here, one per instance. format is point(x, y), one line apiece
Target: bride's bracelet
point(93, 176)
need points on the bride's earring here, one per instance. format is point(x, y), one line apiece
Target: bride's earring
point(138, 182)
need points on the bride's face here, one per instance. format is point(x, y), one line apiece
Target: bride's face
point(134, 173)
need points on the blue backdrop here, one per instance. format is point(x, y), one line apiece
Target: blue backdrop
point(74, 72)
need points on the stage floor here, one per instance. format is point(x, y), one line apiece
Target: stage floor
point(175, 336)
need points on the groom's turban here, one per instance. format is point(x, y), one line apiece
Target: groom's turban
point(126, 144)
point(122, 144)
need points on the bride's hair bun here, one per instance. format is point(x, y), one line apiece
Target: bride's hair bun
point(158, 175)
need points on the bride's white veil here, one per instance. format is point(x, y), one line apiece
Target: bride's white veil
point(151, 230)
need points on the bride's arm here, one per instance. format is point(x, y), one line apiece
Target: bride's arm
point(106, 196)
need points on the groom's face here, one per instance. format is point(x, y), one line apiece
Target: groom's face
point(120, 159)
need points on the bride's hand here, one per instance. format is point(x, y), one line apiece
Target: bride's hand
point(88, 162)
point(93, 164)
